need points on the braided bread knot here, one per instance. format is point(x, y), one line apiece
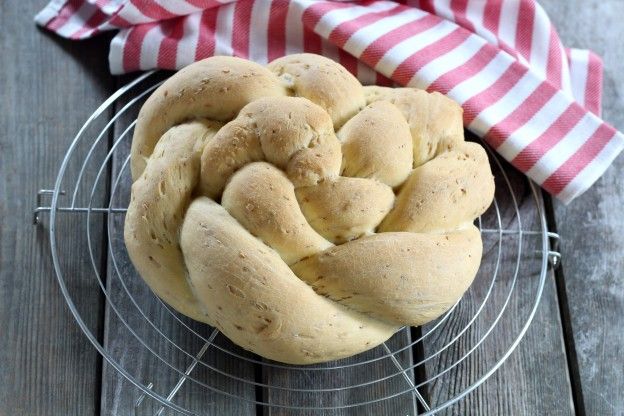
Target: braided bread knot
point(305, 216)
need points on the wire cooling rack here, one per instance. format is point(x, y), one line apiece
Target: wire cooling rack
point(170, 358)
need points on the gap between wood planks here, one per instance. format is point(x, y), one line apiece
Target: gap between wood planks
point(104, 258)
point(566, 321)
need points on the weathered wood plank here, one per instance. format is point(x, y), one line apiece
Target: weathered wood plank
point(119, 395)
point(534, 378)
point(48, 88)
point(391, 384)
point(592, 226)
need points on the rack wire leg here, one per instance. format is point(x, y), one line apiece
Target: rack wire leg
point(183, 378)
point(407, 378)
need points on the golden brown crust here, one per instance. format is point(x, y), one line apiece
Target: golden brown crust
point(305, 216)
point(397, 288)
point(377, 143)
point(215, 88)
point(323, 82)
point(257, 301)
point(444, 193)
point(435, 121)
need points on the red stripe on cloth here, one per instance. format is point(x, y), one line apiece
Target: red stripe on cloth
point(477, 103)
point(459, 8)
point(173, 31)
point(341, 33)
point(427, 6)
point(276, 42)
point(378, 48)
point(240, 28)
point(554, 64)
point(491, 21)
point(204, 4)
point(310, 18)
point(131, 60)
point(524, 30)
point(593, 84)
point(207, 29)
point(529, 156)
point(521, 115)
point(102, 3)
point(383, 81)
point(67, 11)
point(468, 69)
point(312, 42)
point(584, 155)
point(313, 14)
point(348, 61)
point(119, 21)
point(508, 49)
point(408, 68)
point(91, 24)
point(152, 10)
point(491, 16)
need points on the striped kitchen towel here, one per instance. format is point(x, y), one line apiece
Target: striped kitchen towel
point(534, 101)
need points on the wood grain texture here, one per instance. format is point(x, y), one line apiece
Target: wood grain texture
point(173, 345)
point(48, 88)
point(592, 226)
point(345, 380)
point(534, 379)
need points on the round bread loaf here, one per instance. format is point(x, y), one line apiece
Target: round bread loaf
point(303, 215)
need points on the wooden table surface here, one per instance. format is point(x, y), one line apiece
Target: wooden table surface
point(570, 362)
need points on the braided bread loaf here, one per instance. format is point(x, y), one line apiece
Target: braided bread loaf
point(303, 215)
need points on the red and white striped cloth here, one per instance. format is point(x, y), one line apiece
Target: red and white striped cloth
point(534, 101)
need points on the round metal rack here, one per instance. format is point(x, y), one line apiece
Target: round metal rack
point(146, 342)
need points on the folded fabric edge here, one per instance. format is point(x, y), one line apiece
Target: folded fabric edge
point(586, 78)
point(593, 171)
point(116, 52)
point(593, 99)
point(49, 12)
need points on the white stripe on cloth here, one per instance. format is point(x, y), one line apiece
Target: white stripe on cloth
point(366, 35)
point(110, 6)
point(442, 9)
point(258, 36)
point(115, 54)
point(565, 148)
point(540, 42)
point(481, 80)
point(565, 72)
point(77, 20)
point(534, 127)
point(474, 11)
point(476, 18)
point(579, 66)
point(508, 22)
point(447, 62)
point(150, 47)
point(49, 12)
point(497, 111)
point(178, 7)
point(223, 33)
point(294, 27)
point(130, 13)
point(594, 170)
point(404, 49)
point(330, 20)
point(187, 46)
